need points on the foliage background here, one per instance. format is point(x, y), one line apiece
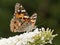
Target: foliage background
point(48, 15)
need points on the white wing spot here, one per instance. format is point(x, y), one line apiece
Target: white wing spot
point(23, 10)
point(18, 10)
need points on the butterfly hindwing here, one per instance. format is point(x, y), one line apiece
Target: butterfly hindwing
point(33, 18)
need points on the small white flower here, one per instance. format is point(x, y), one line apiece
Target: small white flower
point(43, 28)
point(50, 41)
point(30, 38)
point(42, 38)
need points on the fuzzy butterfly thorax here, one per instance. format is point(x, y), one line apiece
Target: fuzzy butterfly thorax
point(21, 21)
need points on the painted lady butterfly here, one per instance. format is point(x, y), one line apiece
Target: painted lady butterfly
point(21, 22)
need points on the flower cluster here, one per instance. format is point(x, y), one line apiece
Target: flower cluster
point(37, 37)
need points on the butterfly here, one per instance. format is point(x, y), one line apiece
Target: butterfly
point(21, 21)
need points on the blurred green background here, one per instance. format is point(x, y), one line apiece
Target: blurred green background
point(48, 15)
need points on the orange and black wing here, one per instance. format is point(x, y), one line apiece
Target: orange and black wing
point(19, 19)
point(33, 19)
point(20, 12)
